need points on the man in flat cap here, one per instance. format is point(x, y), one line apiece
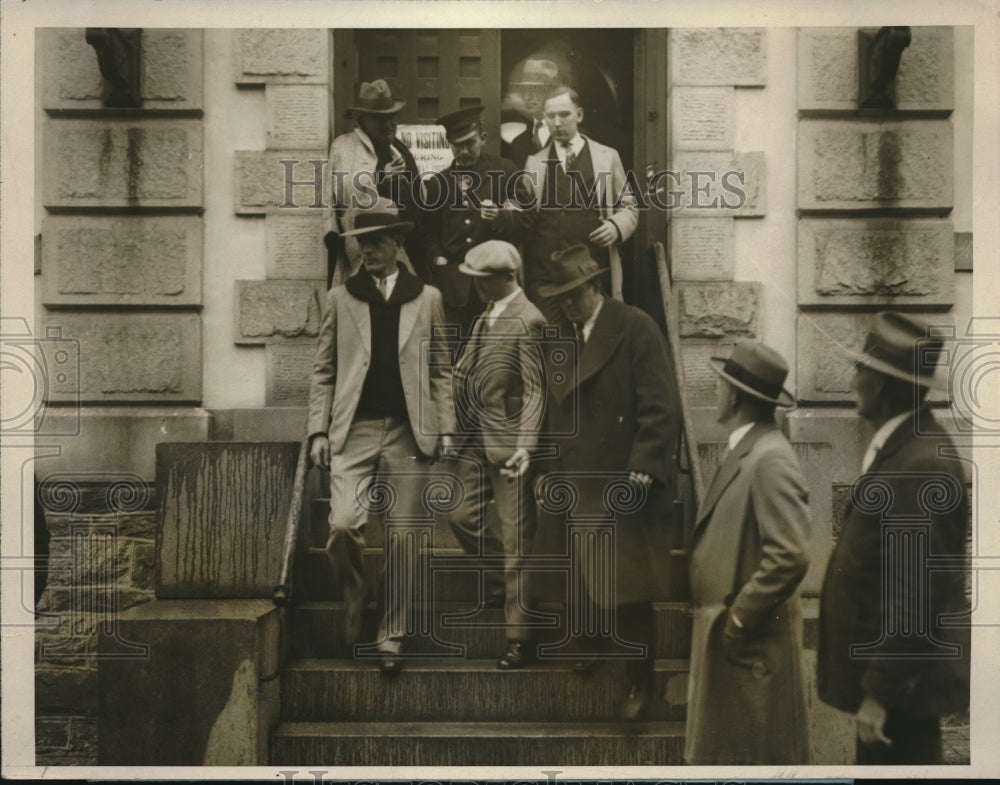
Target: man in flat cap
point(614, 419)
point(366, 162)
point(463, 203)
point(893, 632)
point(748, 555)
point(499, 399)
point(379, 407)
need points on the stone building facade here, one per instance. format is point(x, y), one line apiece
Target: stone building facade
point(191, 290)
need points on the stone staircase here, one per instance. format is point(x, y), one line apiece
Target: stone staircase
point(450, 706)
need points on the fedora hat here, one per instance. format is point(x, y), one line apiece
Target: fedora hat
point(537, 72)
point(756, 369)
point(376, 98)
point(899, 345)
point(383, 216)
point(494, 257)
point(570, 268)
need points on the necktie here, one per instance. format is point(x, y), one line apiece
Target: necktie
point(383, 289)
point(488, 316)
point(570, 157)
point(536, 137)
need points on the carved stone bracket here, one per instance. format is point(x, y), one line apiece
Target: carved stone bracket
point(119, 56)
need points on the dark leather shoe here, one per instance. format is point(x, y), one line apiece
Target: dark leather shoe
point(518, 655)
point(390, 662)
point(636, 703)
point(586, 666)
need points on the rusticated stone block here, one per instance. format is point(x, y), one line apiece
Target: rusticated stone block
point(102, 559)
point(288, 371)
point(122, 163)
point(717, 310)
point(264, 183)
point(699, 378)
point(269, 55)
point(828, 70)
point(703, 118)
point(295, 244)
point(855, 165)
point(276, 311)
point(297, 116)
point(217, 541)
point(824, 365)
point(128, 357)
point(702, 249)
point(172, 70)
point(876, 261)
point(122, 260)
point(716, 184)
point(719, 56)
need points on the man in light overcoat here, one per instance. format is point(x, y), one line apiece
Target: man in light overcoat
point(748, 555)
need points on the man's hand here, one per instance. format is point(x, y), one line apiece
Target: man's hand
point(604, 235)
point(440, 261)
point(395, 166)
point(319, 451)
point(640, 478)
point(871, 722)
point(516, 464)
point(489, 211)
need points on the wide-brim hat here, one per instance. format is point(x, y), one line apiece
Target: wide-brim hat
point(537, 72)
point(383, 216)
point(570, 268)
point(460, 125)
point(493, 257)
point(376, 98)
point(756, 369)
point(901, 345)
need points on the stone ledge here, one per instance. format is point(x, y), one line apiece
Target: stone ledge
point(122, 260)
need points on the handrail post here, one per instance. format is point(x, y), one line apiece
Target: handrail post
point(283, 591)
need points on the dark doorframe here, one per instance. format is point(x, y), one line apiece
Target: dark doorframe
point(652, 127)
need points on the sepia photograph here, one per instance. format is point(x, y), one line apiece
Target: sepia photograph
point(541, 390)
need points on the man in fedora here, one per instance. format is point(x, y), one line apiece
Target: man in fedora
point(613, 417)
point(893, 632)
point(379, 406)
point(748, 555)
point(465, 200)
point(366, 162)
point(538, 77)
point(499, 398)
point(573, 191)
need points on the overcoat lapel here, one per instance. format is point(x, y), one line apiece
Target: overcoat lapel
point(362, 320)
point(408, 313)
point(597, 351)
point(727, 472)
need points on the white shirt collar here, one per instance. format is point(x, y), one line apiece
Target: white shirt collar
point(737, 436)
point(588, 326)
point(390, 283)
point(500, 305)
point(881, 437)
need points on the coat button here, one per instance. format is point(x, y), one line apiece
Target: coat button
point(468, 239)
point(759, 670)
point(468, 220)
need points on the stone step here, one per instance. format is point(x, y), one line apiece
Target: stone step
point(455, 576)
point(481, 631)
point(478, 743)
point(458, 690)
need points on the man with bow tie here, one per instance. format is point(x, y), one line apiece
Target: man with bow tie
point(893, 632)
point(573, 191)
point(748, 555)
point(613, 417)
point(499, 398)
point(380, 410)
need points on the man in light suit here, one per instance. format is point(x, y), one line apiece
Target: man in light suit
point(499, 398)
point(747, 557)
point(573, 191)
point(893, 632)
point(379, 407)
point(364, 163)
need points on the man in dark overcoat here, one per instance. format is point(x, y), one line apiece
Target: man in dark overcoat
point(614, 420)
point(893, 637)
point(748, 555)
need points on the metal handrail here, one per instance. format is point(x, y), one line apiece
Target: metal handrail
point(669, 313)
point(283, 591)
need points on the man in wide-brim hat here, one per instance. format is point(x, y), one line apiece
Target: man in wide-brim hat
point(887, 653)
point(379, 411)
point(368, 160)
point(748, 555)
point(612, 413)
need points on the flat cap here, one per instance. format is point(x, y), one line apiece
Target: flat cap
point(458, 126)
point(494, 257)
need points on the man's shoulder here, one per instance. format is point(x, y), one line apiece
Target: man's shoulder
point(600, 149)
